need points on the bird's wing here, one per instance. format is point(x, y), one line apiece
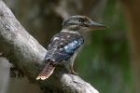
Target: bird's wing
point(63, 45)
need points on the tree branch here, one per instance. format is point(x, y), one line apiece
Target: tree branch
point(27, 54)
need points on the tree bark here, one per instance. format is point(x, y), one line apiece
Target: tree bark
point(133, 16)
point(22, 50)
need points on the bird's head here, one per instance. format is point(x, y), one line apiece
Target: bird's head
point(81, 23)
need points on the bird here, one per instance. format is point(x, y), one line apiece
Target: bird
point(65, 45)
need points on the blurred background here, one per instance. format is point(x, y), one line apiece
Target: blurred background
point(110, 60)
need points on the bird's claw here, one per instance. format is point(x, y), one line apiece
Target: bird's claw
point(73, 72)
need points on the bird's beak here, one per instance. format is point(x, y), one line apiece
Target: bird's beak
point(96, 26)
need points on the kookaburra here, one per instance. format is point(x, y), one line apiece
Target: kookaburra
point(65, 45)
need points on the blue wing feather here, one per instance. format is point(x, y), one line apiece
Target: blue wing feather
point(72, 46)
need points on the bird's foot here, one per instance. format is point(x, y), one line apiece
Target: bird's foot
point(73, 72)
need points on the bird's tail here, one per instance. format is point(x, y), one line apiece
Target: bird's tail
point(46, 72)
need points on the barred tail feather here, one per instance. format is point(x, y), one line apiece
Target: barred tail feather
point(46, 72)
